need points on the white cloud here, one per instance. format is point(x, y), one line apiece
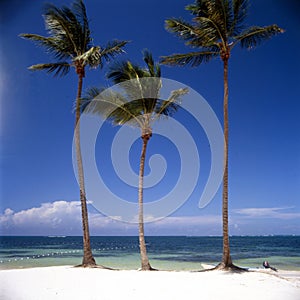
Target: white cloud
point(58, 214)
point(8, 212)
point(268, 212)
point(59, 217)
point(190, 221)
point(64, 218)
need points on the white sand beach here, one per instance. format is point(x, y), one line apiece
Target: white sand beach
point(67, 282)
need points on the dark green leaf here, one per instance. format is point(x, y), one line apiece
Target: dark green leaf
point(255, 35)
point(60, 69)
point(194, 58)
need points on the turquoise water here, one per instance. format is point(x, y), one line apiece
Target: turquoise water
point(168, 253)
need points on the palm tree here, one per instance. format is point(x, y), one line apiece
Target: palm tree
point(70, 43)
point(217, 27)
point(138, 105)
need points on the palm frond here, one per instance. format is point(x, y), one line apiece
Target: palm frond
point(171, 105)
point(63, 25)
point(123, 71)
point(148, 58)
point(204, 33)
point(90, 94)
point(101, 101)
point(79, 35)
point(210, 31)
point(194, 58)
point(240, 10)
point(216, 17)
point(111, 105)
point(129, 76)
point(223, 15)
point(80, 12)
point(255, 35)
point(180, 28)
point(60, 68)
point(199, 8)
point(151, 86)
point(112, 49)
point(51, 45)
point(129, 113)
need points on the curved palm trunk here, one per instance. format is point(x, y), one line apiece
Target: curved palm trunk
point(145, 265)
point(88, 259)
point(226, 260)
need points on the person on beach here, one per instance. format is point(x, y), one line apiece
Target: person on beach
point(267, 266)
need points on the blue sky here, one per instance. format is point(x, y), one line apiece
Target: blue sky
point(39, 192)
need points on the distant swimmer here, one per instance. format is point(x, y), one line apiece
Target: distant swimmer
point(267, 266)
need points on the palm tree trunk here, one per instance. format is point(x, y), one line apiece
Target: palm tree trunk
point(145, 265)
point(226, 260)
point(88, 259)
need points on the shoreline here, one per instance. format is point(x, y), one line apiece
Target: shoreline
point(202, 269)
point(69, 282)
point(122, 263)
point(165, 253)
point(133, 263)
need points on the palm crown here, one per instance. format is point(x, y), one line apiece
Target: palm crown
point(70, 41)
point(139, 104)
point(217, 26)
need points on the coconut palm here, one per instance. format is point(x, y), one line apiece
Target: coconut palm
point(70, 43)
point(217, 27)
point(137, 105)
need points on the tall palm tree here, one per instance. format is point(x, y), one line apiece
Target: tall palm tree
point(217, 27)
point(70, 43)
point(137, 105)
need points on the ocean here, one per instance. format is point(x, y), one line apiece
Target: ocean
point(165, 252)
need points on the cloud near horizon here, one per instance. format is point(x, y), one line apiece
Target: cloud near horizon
point(64, 218)
point(268, 212)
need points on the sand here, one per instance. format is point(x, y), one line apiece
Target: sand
point(67, 282)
